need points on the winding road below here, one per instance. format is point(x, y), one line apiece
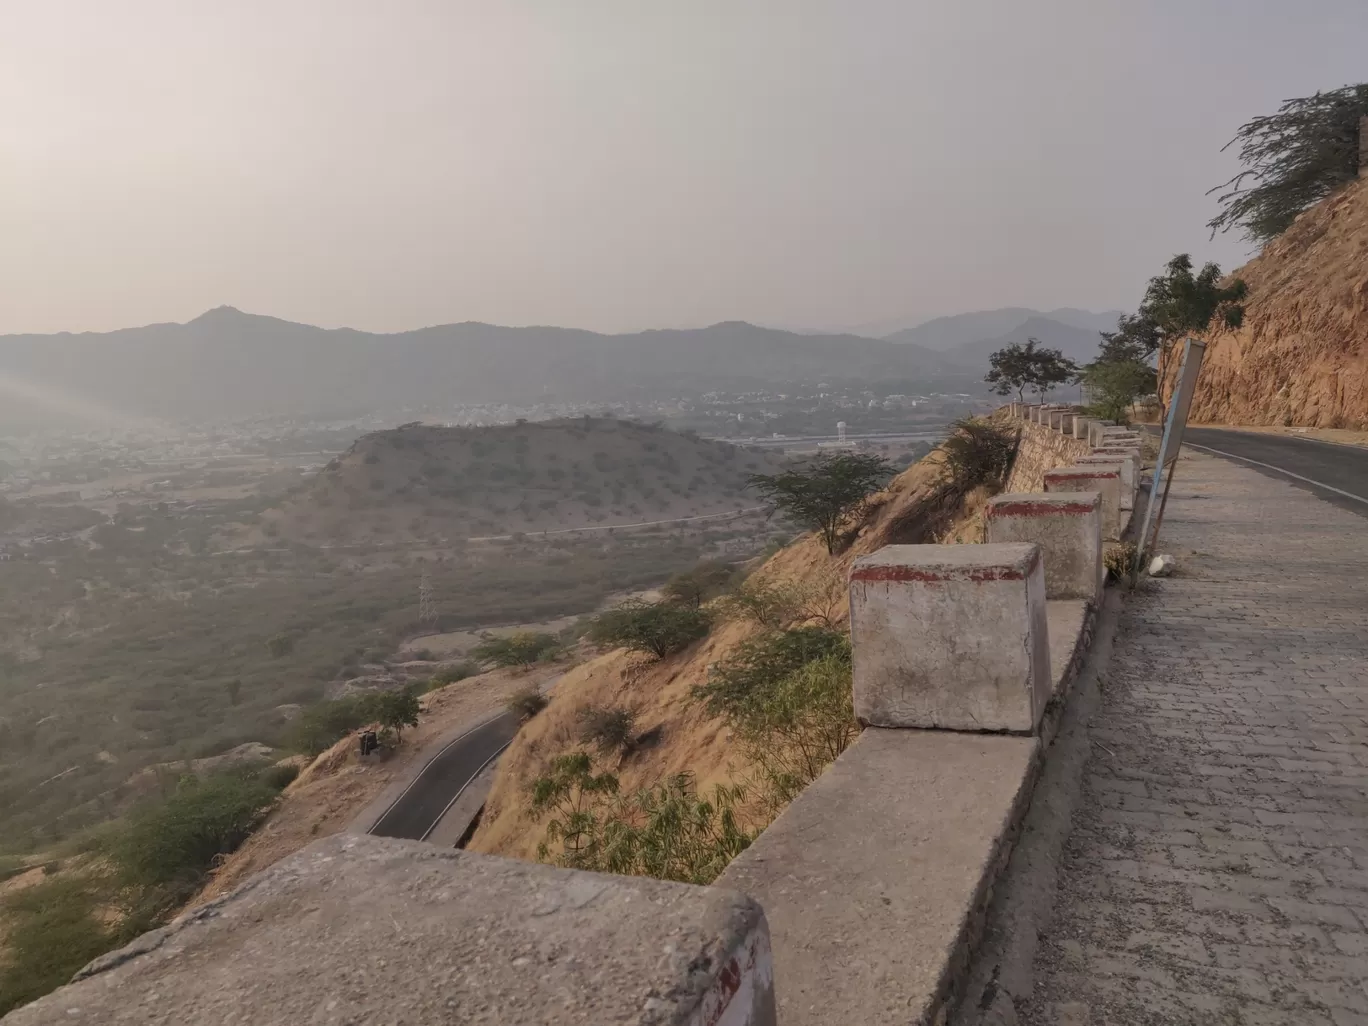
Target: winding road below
point(421, 806)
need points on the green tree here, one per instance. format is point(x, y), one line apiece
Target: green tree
point(522, 648)
point(828, 492)
point(695, 586)
point(1292, 159)
point(1179, 303)
point(1115, 385)
point(1017, 367)
point(659, 628)
point(394, 710)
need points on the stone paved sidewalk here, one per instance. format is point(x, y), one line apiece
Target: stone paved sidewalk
point(1217, 871)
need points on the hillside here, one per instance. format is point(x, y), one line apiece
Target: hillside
point(1078, 344)
point(447, 484)
point(227, 364)
point(1301, 356)
point(915, 508)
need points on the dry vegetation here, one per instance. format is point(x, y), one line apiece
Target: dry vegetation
point(1301, 357)
point(919, 506)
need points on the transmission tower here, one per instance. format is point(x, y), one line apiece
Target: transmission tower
point(427, 612)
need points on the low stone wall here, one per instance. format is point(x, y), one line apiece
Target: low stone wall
point(1041, 449)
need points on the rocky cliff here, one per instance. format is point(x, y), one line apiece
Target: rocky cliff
point(1301, 357)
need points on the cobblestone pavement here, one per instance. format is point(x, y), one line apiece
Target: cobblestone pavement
point(1217, 870)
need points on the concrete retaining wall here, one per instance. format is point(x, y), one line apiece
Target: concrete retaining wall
point(1041, 449)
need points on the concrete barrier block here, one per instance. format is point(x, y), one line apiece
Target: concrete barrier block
point(362, 929)
point(950, 636)
point(1068, 528)
point(1080, 426)
point(1103, 478)
point(1128, 465)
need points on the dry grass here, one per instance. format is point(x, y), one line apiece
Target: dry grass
point(914, 508)
point(1301, 358)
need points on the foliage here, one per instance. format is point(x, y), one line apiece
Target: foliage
point(746, 679)
point(280, 645)
point(830, 491)
point(798, 725)
point(526, 703)
point(177, 841)
point(608, 728)
point(1136, 339)
point(280, 776)
point(451, 674)
point(1178, 303)
point(1120, 560)
point(977, 453)
point(1017, 367)
point(668, 831)
point(323, 724)
point(815, 598)
point(1292, 159)
point(570, 793)
point(695, 586)
point(393, 710)
point(522, 648)
point(1115, 385)
point(660, 628)
point(54, 929)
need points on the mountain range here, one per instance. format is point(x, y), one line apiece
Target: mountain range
point(229, 365)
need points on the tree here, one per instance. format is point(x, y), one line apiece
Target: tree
point(1179, 303)
point(828, 492)
point(1116, 384)
point(522, 648)
point(1017, 367)
point(395, 710)
point(660, 628)
point(694, 587)
point(1292, 159)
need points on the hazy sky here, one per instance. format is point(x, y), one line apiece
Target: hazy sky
point(621, 165)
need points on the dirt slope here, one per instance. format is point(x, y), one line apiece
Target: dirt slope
point(1301, 357)
point(441, 483)
point(908, 512)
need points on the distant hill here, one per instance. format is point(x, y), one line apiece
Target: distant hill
point(1301, 356)
point(227, 364)
point(945, 334)
point(447, 484)
point(1079, 344)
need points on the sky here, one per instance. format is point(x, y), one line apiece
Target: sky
point(625, 165)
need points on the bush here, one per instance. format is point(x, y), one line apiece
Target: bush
point(608, 728)
point(393, 710)
point(53, 930)
point(321, 726)
point(694, 587)
point(280, 776)
point(744, 681)
point(520, 649)
point(977, 453)
point(451, 674)
point(1119, 559)
point(659, 628)
point(526, 703)
point(177, 841)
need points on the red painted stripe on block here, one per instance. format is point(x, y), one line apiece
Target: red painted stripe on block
point(1036, 509)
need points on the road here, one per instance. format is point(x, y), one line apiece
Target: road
point(420, 808)
point(1333, 472)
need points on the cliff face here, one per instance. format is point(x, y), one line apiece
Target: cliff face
point(1301, 357)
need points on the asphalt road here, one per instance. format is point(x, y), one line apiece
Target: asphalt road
point(421, 806)
point(1335, 473)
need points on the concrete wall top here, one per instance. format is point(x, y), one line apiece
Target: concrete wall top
point(370, 930)
point(946, 563)
point(875, 878)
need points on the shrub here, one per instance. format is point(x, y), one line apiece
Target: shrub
point(659, 628)
point(743, 682)
point(451, 674)
point(1120, 561)
point(177, 841)
point(280, 776)
point(393, 710)
point(977, 453)
point(526, 703)
point(321, 726)
point(53, 931)
point(520, 649)
point(608, 728)
point(694, 587)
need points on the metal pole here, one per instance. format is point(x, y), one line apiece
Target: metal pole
point(1170, 444)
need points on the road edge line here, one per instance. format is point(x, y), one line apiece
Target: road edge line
point(1280, 470)
point(473, 777)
